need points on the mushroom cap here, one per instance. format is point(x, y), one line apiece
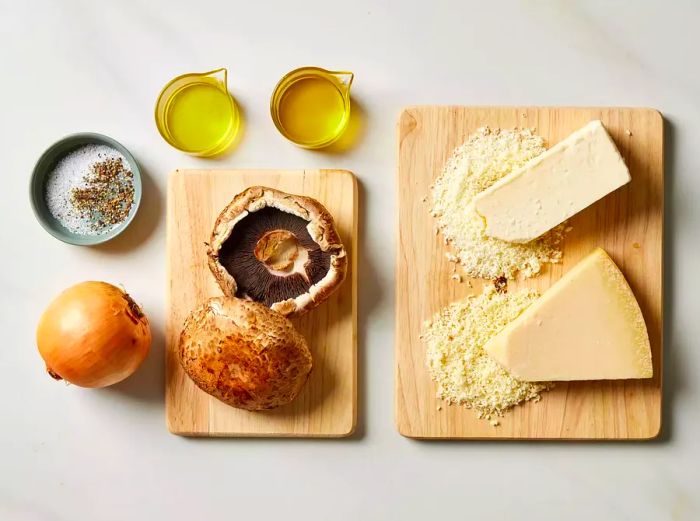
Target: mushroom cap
point(244, 354)
point(321, 230)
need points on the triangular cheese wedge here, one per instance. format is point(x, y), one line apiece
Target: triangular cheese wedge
point(587, 326)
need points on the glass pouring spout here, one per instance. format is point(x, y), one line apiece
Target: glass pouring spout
point(218, 77)
point(344, 78)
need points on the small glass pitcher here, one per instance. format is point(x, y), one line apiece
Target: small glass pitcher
point(328, 100)
point(196, 114)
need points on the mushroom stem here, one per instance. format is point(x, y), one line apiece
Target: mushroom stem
point(282, 253)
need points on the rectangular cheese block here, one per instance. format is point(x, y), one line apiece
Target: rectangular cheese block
point(553, 186)
point(587, 326)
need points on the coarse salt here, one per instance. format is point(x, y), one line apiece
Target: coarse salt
point(71, 173)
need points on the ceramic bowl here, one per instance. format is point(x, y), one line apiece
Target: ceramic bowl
point(47, 163)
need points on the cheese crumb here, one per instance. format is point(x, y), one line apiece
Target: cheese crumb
point(463, 371)
point(457, 277)
point(487, 156)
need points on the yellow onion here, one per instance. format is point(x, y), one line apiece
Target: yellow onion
point(93, 335)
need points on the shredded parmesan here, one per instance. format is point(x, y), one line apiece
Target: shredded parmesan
point(463, 371)
point(487, 156)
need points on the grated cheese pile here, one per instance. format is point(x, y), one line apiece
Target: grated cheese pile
point(487, 156)
point(464, 372)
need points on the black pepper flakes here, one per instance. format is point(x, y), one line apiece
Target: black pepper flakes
point(108, 194)
point(501, 285)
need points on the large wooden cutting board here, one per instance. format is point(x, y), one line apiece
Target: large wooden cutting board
point(628, 224)
point(327, 405)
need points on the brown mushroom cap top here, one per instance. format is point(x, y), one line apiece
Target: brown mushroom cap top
point(244, 354)
point(276, 248)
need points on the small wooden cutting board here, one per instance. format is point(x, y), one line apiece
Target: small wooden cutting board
point(628, 224)
point(326, 406)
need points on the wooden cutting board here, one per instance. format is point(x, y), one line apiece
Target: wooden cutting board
point(327, 405)
point(628, 224)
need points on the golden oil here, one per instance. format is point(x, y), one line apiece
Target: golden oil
point(311, 106)
point(198, 117)
point(196, 114)
point(311, 110)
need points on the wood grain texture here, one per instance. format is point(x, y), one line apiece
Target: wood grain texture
point(326, 406)
point(628, 224)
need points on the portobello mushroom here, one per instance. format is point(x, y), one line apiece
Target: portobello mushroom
point(279, 249)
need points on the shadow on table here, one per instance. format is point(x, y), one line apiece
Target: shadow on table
point(147, 384)
point(354, 133)
point(674, 370)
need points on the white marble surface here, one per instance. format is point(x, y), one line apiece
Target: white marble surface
point(72, 454)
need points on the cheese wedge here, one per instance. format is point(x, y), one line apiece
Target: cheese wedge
point(587, 326)
point(553, 186)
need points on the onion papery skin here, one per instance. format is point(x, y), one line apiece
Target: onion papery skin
point(93, 335)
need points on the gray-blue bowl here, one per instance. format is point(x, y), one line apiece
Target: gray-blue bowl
point(47, 162)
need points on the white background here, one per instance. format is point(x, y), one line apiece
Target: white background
point(72, 454)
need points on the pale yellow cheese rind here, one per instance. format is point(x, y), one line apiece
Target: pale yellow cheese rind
point(570, 176)
point(587, 326)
